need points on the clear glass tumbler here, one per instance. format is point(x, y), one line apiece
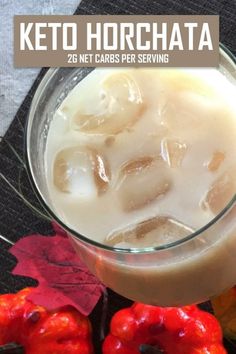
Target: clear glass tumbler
point(190, 270)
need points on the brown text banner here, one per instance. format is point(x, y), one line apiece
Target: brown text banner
point(92, 41)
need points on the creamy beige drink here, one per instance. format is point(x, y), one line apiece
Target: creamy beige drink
point(142, 158)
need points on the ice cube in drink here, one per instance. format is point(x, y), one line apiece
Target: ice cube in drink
point(153, 232)
point(81, 171)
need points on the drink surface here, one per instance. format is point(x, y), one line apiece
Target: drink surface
point(143, 157)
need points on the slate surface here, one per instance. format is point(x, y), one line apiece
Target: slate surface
point(12, 88)
point(16, 219)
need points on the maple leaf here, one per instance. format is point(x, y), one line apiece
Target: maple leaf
point(63, 278)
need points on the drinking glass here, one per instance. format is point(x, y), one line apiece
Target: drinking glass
point(190, 270)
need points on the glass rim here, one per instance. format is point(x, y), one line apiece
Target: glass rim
point(47, 77)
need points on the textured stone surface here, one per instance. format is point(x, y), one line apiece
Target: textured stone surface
point(15, 83)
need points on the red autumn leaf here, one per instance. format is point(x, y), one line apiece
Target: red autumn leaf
point(63, 278)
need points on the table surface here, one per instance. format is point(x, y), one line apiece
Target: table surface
point(16, 219)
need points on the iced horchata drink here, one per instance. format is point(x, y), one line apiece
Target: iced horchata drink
point(141, 161)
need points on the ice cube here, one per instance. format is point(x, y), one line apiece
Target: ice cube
point(82, 171)
point(221, 192)
point(153, 232)
point(141, 181)
point(216, 160)
point(173, 151)
point(120, 106)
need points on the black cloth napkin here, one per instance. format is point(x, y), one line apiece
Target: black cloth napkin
point(16, 219)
